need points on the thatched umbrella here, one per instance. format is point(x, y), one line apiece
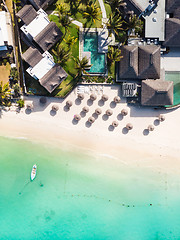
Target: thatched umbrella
point(77, 117)
point(115, 123)
point(161, 117)
point(55, 108)
point(29, 106)
point(98, 111)
point(104, 97)
point(109, 112)
point(124, 112)
point(80, 96)
point(43, 100)
point(91, 119)
point(129, 126)
point(93, 97)
point(151, 127)
point(69, 103)
point(117, 99)
point(85, 109)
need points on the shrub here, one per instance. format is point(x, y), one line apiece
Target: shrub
point(20, 103)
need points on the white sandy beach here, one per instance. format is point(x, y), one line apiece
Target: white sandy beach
point(159, 149)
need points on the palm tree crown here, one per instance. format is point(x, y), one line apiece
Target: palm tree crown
point(61, 54)
point(114, 54)
point(115, 4)
point(92, 12)
point(81, 65)
point(134, 23)
point(115, 23)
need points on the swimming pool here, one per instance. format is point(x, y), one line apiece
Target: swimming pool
point(175, 77)
point(97, 59)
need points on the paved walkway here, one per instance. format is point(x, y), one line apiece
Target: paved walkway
point(103, 10)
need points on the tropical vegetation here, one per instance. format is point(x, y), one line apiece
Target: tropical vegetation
point(5, 94)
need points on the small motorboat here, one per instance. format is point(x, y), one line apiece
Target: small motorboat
point(33, 172)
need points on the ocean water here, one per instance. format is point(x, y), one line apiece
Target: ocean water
point(77, 196)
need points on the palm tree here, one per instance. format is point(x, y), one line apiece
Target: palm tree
point(65, 22)
point(61, 9)
point(92, 12)
point(74, 4)
point(114, 55)
point(115, 23)
point(115, 4)
point(71, 40)
point(4, 94)
point(134, 23)
point(81, 65)
point(61, 54)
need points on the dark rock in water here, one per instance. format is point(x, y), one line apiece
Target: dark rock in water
point(41, 185)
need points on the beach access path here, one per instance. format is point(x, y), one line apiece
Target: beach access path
point(138, 145)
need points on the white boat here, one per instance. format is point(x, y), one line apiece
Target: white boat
point(33, 172)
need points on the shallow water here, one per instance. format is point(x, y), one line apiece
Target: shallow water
point(76, 196)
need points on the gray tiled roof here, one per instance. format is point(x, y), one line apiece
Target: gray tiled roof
point(48, 36)
point(32, 56)
point(139, 62)
point(53, 78)
point(27, 14)
point(172, 33)
point(156, 93)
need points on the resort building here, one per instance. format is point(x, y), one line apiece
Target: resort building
point(41, 34)
point(37, 3)
point(5, 33)
point(43, 68)
point(139, 62)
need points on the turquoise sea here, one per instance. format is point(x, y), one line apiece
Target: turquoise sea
point(77, 196)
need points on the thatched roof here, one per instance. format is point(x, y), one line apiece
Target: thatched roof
point(48, 36)
point(27, 14)
point(32, 56)
point(172, 32)
point(139, 62)
point(172, 5)
point(128, 66)
point(53, 78)
point(41, 3)
point(149, 62)
point(157, 93)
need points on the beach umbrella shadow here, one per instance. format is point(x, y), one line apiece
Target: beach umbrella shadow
point(112, 104)
point(156, 122)
point(105, 117)
point(125, 130)
point(111, 128)
point(146, 132)
point(100, 102)
point(52, 113)
point(119, 117)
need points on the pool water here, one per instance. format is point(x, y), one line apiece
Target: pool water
point(175, 77)
point(97, 59)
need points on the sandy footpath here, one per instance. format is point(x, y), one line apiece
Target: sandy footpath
point(159, 149)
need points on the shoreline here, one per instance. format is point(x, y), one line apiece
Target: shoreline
point(157, 150)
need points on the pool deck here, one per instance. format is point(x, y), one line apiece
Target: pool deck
point(171, 61)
